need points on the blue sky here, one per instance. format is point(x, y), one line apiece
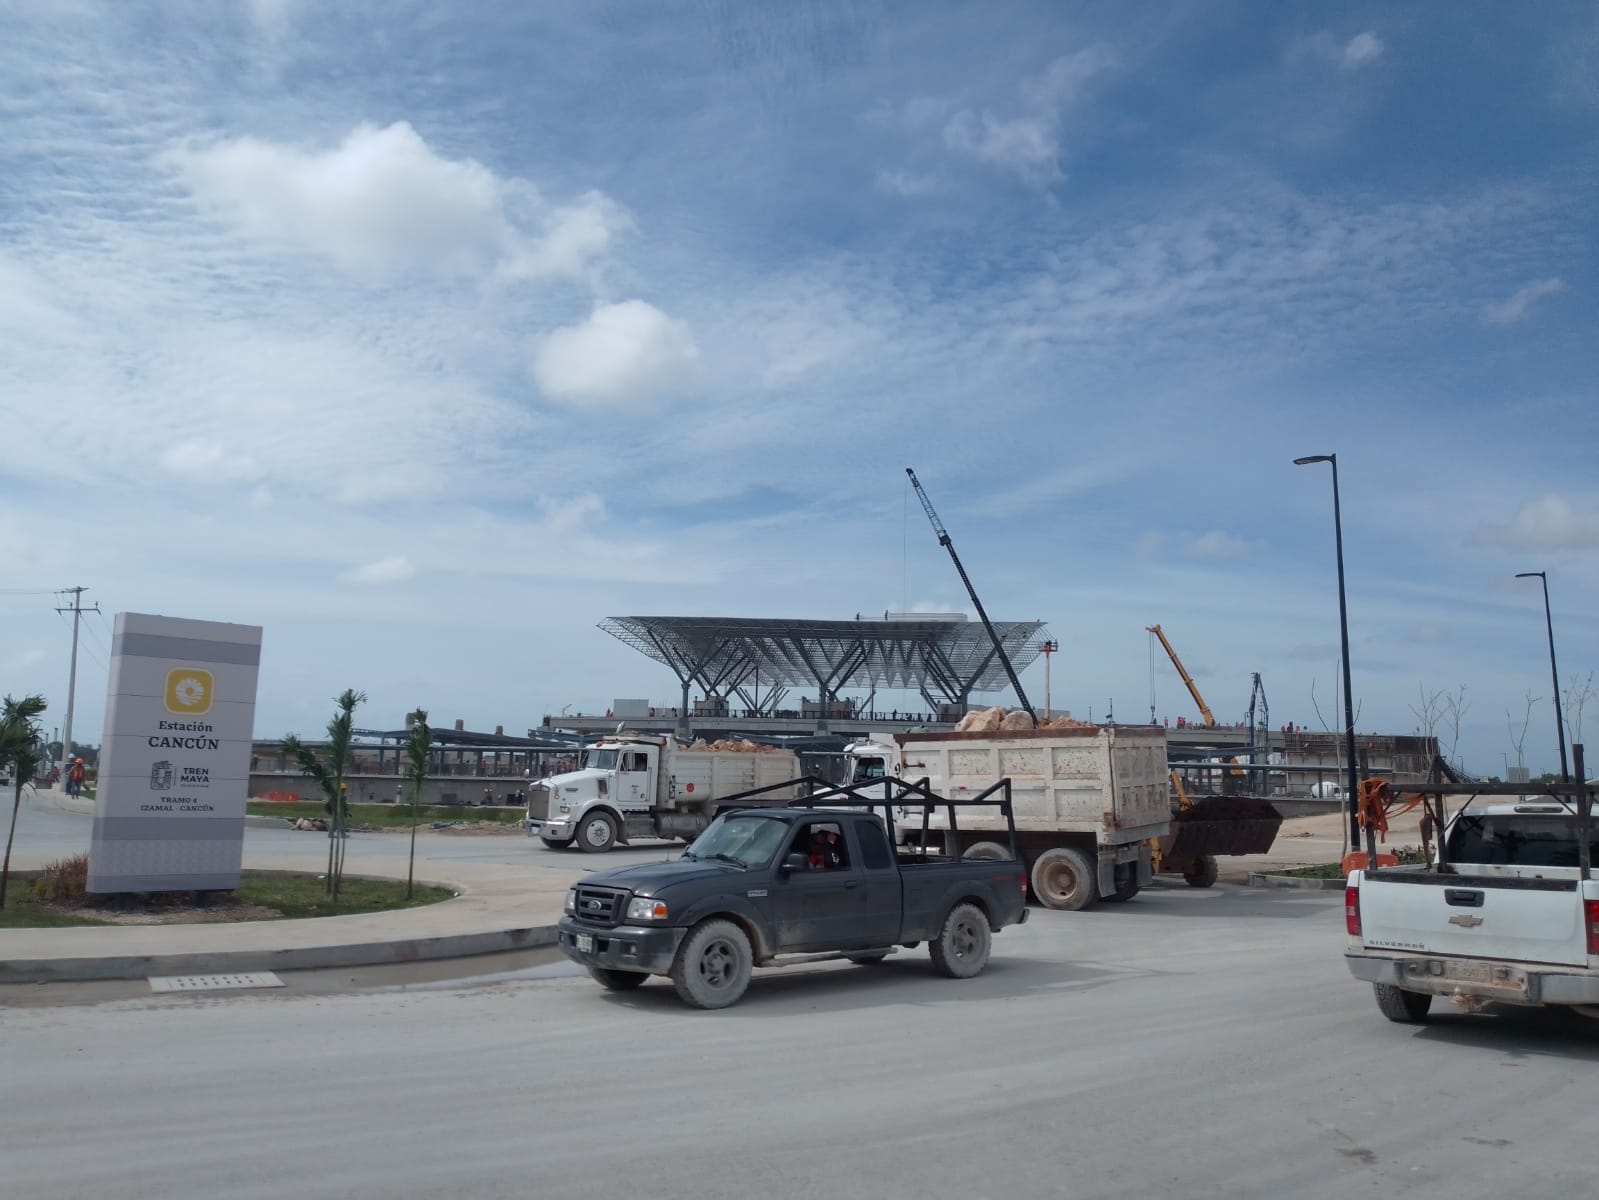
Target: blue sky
point(426, 336)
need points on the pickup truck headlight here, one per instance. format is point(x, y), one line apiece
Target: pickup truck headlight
point(570, 907)
point(646, 908)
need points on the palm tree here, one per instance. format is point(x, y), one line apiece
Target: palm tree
point(418, 750)
point(19, 745)
point(329, 775)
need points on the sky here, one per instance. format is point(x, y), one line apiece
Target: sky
point(427, 336)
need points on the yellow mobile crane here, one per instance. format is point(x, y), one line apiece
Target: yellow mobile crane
point(1207, 826)
point(1193, 688)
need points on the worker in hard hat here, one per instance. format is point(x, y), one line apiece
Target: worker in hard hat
point(75, 777)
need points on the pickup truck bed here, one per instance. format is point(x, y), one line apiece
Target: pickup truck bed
point(755, 891)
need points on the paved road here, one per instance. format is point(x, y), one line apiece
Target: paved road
point(1186, 1044)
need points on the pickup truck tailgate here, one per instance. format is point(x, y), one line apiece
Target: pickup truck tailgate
point(1528, 920)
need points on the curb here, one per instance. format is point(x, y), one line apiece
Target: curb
point(1260, 879)
point(356, 954)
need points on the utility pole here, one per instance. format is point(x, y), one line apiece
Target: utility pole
point(77, 610)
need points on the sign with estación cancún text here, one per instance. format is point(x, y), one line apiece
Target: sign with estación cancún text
point(175, 755)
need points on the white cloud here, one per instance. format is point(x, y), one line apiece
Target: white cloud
point(619, 352)
point(571, 514)
point(1028, 143)
point(1022, 137)
point(1548, 523)
point(383, 201)
point(1217, 546)
point(381, 573)
point(205, 461)
point(1361, 51)
point(1521, 302)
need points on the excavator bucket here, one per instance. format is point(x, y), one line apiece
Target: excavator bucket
point(1217, 825)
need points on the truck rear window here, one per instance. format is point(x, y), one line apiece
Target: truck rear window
point(1516, 840)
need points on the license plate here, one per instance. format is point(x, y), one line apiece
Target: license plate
point(585, 944)
point(1495, 975)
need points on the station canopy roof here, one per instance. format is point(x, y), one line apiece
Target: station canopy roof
point(938, 654)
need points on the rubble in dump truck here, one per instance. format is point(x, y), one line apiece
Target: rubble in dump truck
point(734, 747)
point(990, 720)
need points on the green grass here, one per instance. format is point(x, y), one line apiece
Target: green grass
point(291, 896)
point(305, 896)
point(22, 911)
point(1320, 871)
point(388, 816)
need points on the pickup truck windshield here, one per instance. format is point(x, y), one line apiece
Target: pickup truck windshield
point(749, 840)
point(602, 760)
point(1516, 840)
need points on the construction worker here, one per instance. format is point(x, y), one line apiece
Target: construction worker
point(75, 777)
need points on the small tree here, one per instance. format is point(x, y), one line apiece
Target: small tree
point(20, 738)
point(1518, 739)
point(418, 752)
point(329, 776)
point(1577, 696)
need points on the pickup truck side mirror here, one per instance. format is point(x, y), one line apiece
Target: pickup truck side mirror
point(795, 862)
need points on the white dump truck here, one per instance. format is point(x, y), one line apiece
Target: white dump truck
point(1087, 801)
point(640, 786)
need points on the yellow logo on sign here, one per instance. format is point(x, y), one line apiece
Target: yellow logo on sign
point(189, 691)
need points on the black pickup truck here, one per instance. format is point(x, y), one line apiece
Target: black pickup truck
point(774, 887)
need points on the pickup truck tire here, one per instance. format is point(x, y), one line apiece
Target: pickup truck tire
point(961, 948)
point(1408, 1008)
point(987, 852)
point(1064, 878)
point(868, 960)
point(713, 965)
point(617, 981)
point(1202, 874)
point(596, 834)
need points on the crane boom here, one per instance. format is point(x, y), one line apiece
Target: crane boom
point(1193, 688)
point(993, 637)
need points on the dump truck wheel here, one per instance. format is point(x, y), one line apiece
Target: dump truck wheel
point(1203, 872)
point(987, 852)
point(596, 834)
point(555, 845)
point(713, 965)
point(1408, 1008)
point(617, 981)
point(961, 948)
point(1126, 883)
point(1064, 878)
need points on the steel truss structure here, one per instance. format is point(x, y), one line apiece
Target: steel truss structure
point(945, 659)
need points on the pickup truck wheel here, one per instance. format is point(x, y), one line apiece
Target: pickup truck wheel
point(1202, 874)
point(867, 960)
point(617, 981)
point(961, 948)
point(1408, 1008)
point(713, 965)
point(1064, 878)
point(596, 834)
point(987, 852)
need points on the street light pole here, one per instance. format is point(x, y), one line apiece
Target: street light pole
point(1353, 800)
point(1554, 674)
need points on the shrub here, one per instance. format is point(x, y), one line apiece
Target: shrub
point(65, 881)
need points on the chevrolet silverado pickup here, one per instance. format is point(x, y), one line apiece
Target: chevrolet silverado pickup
point(1507, 913)
point(774, 887)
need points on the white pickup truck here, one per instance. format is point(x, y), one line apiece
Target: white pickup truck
point(1505, 914)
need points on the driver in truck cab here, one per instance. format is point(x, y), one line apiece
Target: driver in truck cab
point(826, 852)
